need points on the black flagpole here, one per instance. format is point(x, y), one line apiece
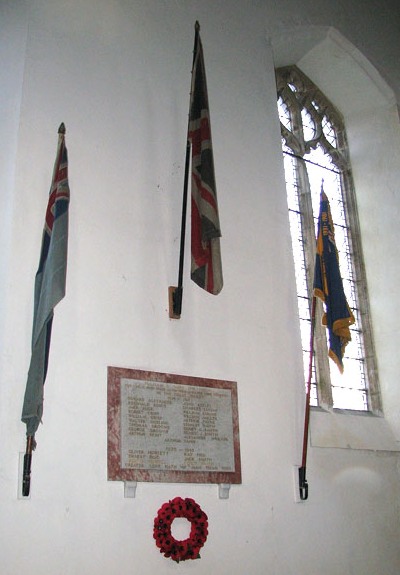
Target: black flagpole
point(303, 485)
point(175, 293)
point(26, 478)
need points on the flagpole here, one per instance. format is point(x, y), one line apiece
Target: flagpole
point(30, 437)
point(26, 478)
point(175, 293)
point(303, 485)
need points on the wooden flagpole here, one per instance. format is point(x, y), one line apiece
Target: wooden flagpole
point(175, 292)
point(303, 484)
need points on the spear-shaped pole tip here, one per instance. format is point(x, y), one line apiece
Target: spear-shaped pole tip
point(197, 26)
point(61, 129)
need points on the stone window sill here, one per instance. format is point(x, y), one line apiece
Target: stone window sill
point(351, 430)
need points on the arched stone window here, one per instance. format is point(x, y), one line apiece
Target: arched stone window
point(315, 150)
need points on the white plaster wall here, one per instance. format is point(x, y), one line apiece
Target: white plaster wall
point(12, 59)
point(118, 74)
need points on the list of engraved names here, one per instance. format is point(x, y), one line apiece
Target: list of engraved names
point(176, 427)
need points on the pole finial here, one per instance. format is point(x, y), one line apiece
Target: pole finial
point(61, 129)
point(197, 26)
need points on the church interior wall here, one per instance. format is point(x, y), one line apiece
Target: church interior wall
point(117, 73)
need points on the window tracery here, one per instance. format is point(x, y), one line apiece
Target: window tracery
point(315, 149)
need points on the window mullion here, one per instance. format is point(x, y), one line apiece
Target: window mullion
point(374, 395)
point(320, 342)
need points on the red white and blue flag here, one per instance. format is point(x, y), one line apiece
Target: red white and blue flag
point(206, 266)
point(49, 285)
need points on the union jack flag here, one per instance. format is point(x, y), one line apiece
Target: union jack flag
point(206, 266)
point(49, 285)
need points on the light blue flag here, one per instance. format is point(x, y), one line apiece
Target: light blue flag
point(49, 286)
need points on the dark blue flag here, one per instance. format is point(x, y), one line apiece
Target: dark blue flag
point(328, 286)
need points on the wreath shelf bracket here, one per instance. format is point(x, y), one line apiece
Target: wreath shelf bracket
point(223, 490)
point(130, 490)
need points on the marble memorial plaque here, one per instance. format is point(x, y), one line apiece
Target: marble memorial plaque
point(172, 428)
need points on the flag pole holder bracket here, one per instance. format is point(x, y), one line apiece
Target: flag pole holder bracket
point(20, 495)
point(175, 302)
point(300, 484)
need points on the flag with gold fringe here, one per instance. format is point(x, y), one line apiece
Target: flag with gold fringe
point(328, 286)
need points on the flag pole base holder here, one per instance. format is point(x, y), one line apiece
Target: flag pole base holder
point(300, 484)
point(20, 495)
point(174, 302)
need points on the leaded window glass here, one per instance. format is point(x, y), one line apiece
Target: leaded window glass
point(315, 153)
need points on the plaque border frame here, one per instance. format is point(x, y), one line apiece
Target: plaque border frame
point(114, 470)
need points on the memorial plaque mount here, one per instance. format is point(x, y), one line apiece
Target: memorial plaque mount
point(172, 428)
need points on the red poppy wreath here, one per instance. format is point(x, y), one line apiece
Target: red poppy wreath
point(187, 548)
